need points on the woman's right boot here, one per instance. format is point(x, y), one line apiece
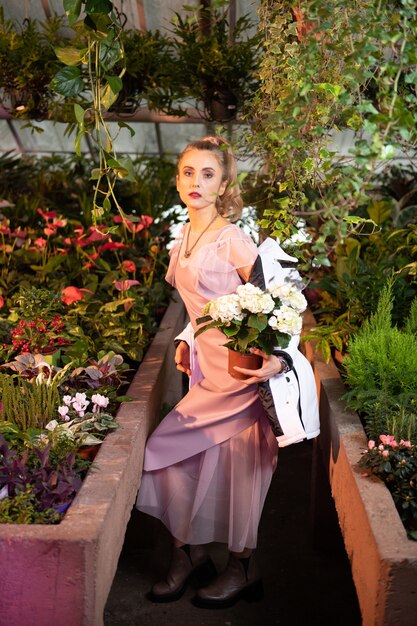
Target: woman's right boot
point(185, 562)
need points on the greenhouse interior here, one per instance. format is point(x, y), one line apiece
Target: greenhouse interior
point(208, 312)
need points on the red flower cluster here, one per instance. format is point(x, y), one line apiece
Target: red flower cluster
point(38, 336)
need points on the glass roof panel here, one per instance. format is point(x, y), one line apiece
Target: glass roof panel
point(144, 140)
point(52, 139)
point(7, 140)
point(175, 137)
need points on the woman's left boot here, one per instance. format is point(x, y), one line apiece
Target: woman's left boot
point(185, 562)
point(240, 580)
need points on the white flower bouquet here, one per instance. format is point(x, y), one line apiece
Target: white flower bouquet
point(253, 318)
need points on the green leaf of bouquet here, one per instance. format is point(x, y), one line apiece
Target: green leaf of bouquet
point(260, 322)
point(231, 331)
point(68, 81)
point(203, 320)
point(72, 10)
point(106, 204)
point(206, 327)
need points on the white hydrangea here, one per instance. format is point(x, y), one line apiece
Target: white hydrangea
point(296, 300)
point(280, 290)
point(226, 308)
point(286, 320)
point(290, 295)
point(254, 299)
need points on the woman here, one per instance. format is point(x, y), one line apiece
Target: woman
point(209, 464)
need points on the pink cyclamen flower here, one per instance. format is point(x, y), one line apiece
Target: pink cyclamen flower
point(99, 401)
point(371, 444)
point(63, 412)
point(67, 400)
point(385, 454)
point(80, 403)
point(1, 302)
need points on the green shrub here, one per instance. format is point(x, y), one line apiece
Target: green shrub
point(381, 370)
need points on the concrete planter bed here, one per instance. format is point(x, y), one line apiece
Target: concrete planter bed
point(383, 560)
point(62, 574)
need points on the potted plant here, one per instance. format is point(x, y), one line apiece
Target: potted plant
point(28, 63)
point(215, 66)
point(150, 68)
point(253, 318)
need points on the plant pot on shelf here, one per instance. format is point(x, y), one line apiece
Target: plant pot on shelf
point(221, 104)
point(248, 361)
point(89, 452)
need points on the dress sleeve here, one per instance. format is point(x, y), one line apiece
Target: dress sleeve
point(236, 249)
point(217, 265)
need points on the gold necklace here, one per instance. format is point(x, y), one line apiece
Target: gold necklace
point(188, 250)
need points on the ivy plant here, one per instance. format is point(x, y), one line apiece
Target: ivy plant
point(326, 68)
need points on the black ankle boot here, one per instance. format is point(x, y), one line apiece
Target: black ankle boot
point(185, 562)
point(240, 580)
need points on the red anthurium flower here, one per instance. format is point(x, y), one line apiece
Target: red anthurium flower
point(19, 233)
point(96, 235)
point(146, 220)
point(124, 285)
point(71, 295)
point(50, 230)
point(127, 266)
point(112, 245)
point(40, 243)
point(47, 215)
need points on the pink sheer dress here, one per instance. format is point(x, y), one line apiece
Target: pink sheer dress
point(209, 463)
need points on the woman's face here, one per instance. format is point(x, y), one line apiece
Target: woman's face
point(199, 179)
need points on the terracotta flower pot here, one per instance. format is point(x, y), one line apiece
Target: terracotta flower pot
point(249, 361)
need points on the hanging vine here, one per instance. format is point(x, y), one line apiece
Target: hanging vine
point(95, 63)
